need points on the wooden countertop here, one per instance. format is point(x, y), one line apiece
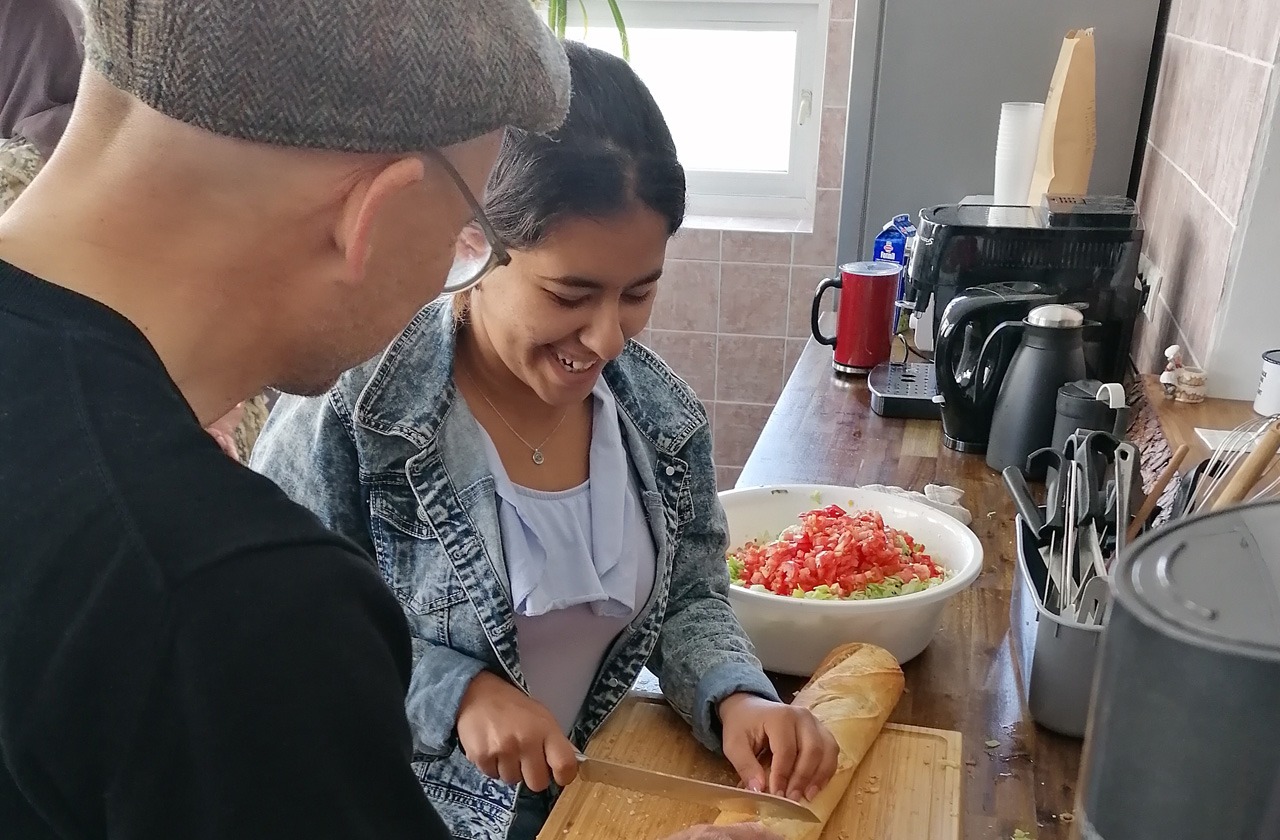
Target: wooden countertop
point(970, 677)
point(1179, 421)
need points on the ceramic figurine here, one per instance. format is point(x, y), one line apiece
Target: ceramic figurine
point(1169, 376)
point(1191, 385)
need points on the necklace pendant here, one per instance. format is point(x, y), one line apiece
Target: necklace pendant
point(537, 457)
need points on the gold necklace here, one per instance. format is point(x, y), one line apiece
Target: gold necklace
point(536, 450)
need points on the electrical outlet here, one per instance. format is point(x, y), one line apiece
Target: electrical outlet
point(1151, 273)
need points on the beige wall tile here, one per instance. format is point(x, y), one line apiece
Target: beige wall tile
point(804, 282)
point(1153, 336)
point(727, 477)
point(694, 244)
point(1190, 241)
point(749, 369)
point(795, 347)
point(1160, 187)
point(688, 297)
point(1204, 20)
point(1150, 190)
point(1254, 28)
point(843, 9)
point(1207, 116)
point(753, 299)
point(1163, 133)
point(692, 356)
point(1231, 117)
point(1188, 84)
point(737, 429)
point(748, 247)
point(831, 148)
point(1179, 16)
point(819, 247)
point(835, 87)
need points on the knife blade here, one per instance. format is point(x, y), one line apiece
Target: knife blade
point(723, 797)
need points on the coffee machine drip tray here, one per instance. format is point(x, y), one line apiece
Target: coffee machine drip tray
point(904, 390)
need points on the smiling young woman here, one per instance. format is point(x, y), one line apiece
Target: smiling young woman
point(538, 488)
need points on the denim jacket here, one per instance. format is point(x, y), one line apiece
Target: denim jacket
point(391, 458)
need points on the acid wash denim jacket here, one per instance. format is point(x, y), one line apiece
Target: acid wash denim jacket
point(394, 460)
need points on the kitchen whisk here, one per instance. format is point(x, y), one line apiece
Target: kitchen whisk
point(1232, 473)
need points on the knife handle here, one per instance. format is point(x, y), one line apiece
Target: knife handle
point(1016, 483)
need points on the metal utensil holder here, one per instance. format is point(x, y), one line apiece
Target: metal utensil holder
point(1060, 679)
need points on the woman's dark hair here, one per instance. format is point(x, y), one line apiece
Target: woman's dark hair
point(613, 150)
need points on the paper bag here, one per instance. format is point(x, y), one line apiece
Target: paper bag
point(1069, 131)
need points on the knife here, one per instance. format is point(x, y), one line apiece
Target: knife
point(723, 797)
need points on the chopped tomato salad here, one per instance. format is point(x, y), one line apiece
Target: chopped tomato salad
point(836, 555)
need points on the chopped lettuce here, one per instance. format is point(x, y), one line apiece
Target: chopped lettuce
point(888, 588)
point(919, 585)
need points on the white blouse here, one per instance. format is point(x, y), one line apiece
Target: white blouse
point(581, 564)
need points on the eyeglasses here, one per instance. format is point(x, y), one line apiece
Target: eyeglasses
point(478, 249)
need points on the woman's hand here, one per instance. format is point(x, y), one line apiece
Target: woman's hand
point(736, 831)
point(512, 737)
point(804, 753)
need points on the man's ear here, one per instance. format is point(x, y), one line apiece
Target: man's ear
point(365, 200)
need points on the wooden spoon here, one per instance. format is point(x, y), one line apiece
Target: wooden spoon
point(1157, 490)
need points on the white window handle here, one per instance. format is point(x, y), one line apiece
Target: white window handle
point(806, 107)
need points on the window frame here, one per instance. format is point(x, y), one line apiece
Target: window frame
point(785, 196)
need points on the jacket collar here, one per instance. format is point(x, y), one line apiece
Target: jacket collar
point(410, 390)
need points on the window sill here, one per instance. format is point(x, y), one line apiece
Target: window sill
point(748, 224)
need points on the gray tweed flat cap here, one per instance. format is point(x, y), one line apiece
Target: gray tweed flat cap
point(384, 76)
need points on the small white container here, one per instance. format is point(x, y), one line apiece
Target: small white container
point(1192, 385)
point(794, 635)
point(1267, 402)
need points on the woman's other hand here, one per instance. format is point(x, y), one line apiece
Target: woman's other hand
point(804, 753)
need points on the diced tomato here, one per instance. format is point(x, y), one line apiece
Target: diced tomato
point(832, 547)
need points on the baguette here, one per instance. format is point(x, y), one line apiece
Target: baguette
point(852, 693)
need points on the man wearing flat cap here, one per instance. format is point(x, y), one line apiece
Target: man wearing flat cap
point(249, 193)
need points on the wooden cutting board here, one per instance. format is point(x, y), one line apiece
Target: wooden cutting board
point(907, 787)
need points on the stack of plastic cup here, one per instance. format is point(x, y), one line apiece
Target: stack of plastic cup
point(1016, 146)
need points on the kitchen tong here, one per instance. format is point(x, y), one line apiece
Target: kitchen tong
point(1090, 496)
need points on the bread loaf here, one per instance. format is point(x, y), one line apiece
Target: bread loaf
point(852, 693)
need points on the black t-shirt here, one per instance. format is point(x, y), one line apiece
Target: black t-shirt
point(184, 653)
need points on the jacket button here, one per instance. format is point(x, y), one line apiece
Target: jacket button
point(671, 471)
point(422, 514)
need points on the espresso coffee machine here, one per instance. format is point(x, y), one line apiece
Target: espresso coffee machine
point(1078, 251)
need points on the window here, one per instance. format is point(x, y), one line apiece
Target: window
point(740, 85)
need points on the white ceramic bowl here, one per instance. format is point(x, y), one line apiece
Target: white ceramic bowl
point(793, 635)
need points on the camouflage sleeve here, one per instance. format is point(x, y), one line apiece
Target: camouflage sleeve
point(246, 434)
point(19, 163)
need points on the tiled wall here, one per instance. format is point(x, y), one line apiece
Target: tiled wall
point(1218, 60)
point(732, 313)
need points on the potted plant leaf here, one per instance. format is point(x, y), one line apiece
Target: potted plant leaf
point(558, 19)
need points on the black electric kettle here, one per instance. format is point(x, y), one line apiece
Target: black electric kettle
point(970, 357)
point(1050, 354)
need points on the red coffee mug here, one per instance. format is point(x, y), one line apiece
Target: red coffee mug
point(864, 338)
